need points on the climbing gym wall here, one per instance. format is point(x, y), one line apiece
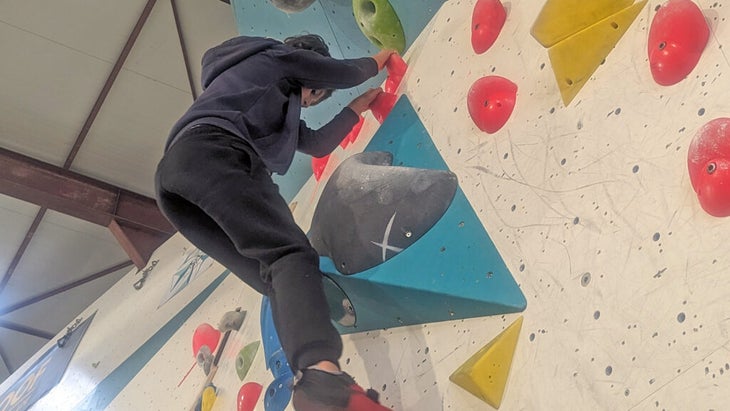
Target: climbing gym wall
point(579, 173)
point(590, 203)
point(579, 262)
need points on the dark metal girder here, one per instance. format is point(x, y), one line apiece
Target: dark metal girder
point(139, 244)
point(79, 196)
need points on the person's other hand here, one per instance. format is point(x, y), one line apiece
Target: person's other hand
point(382, 57)
point(362, 102)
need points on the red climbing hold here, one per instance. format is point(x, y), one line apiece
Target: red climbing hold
point(392, 84)
point(677, 37)
point(396, 70)
point(487, 21)
point(352, 135)
point(205, 334)
point(396, 65)
point(708, 161)
point(491, 100)
point(318, 166)
point(249, 395)
point(381, 106)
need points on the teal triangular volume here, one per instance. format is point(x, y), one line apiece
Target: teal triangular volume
point(454, 271)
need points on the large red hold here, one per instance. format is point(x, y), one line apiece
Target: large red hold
point(248, 396)
point(708, 161)
point(677, 37)
point(491, 100)
point(205, 334)
point(487, 21)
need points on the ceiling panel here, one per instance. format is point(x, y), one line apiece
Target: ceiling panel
point(205, 24)
point(55, 313)
point(16, 217)
point(63, 250)
point(157, 53)
point(128, 137)
point(46, 92)
point(97, 28)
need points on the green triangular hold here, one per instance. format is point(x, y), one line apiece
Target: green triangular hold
point(576, 58)
point(485, 373)
point(560, 19)
point(245, 358)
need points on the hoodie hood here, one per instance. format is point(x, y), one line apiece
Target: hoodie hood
point(228, 54)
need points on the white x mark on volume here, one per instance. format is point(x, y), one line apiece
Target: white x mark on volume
point(384, 245)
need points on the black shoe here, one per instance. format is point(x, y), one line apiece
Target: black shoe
point(318, 390)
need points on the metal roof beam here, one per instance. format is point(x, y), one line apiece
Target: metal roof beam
point(79, 196)
point(134, 220)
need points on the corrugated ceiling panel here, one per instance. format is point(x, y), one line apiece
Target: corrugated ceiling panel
point(63, 250)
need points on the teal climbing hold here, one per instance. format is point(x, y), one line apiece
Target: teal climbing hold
point(453, 271)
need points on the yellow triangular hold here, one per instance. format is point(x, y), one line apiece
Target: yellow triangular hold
point(485, 373)
point(560, 19)
point(576, 58)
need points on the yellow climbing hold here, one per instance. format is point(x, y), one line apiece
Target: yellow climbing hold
point(485, 373)
point(208, 399)
point(560, 19)
point(577, 57)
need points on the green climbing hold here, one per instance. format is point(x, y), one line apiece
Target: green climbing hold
point(379, 22)
point(245, 358)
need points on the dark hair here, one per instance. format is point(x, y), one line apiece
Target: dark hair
point(309, 42)
point(315, 43)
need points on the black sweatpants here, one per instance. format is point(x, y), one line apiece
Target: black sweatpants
point(216, 191)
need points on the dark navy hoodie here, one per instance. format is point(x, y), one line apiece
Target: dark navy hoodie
point(252, 88)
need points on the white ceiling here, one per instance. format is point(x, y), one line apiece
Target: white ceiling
point(56, 57)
